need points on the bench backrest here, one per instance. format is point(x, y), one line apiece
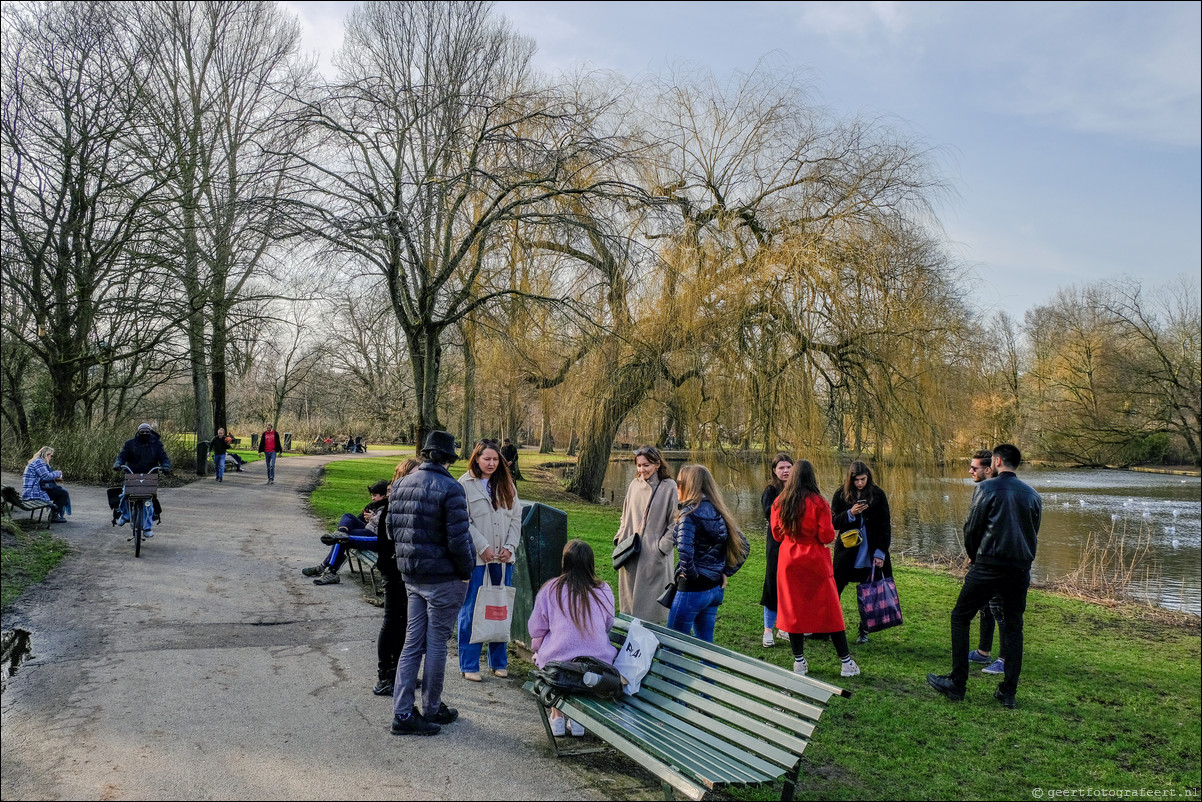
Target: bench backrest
point(743, 704)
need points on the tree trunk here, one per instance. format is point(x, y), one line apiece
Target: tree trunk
point(425, 357)
point(469, 382)
point(624, 392)
point(547, 443)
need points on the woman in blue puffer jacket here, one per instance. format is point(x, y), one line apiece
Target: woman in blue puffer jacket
point(710, 548)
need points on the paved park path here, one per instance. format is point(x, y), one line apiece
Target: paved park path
point(211, 669)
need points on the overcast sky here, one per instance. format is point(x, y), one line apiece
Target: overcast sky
point(1070, 131)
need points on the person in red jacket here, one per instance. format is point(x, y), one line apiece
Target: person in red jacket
point(806, 598)
point(270, 446)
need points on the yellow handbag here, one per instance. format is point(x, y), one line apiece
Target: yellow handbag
point(850, 538)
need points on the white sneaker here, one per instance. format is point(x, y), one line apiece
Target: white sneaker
point(558, 726)
point(575, 729)
point(780, 633)
point(800, 666)
point(147, 534)
point(768, 640)
point(850, 669)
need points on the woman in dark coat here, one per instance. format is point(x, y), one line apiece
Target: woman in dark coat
point(860, 505)
point(782, 464)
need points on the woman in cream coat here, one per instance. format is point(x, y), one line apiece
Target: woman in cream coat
point(649, 510)
point(495, 521)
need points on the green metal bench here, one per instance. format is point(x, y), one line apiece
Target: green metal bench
point(363, 563)
point(704, 718)
point(12, 499)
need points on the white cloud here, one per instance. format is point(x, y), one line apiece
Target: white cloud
point(838, 20)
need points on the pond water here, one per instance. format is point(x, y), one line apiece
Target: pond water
point(1162, 512)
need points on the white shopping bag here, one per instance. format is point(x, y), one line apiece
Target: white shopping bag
point(493, 613)
point(634, 660)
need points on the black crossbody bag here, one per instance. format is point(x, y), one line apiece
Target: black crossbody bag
point(630, 548)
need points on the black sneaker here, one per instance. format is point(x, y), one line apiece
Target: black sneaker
point(862, 638)
point(445, 715)
point(328, 577)
point(383, 688)
point(413, 724)
point(316, 570)
point(943, 683)
point(1007, 699)
point(337, 537)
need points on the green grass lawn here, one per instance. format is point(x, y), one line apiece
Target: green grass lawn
point(26, 557)
point(1109, 698)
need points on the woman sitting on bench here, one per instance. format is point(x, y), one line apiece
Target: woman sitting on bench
point(572, 617)
point(41, 484)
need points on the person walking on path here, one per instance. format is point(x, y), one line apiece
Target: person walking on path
point(807, 600)
point(220, 446)
point(270, 446)
point(1000, 536)
point(980, 468)
point(648, 512)
point(494, 516)
point(782, 465)
point(427, 517)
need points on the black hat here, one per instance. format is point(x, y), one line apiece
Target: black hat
point(441, 441)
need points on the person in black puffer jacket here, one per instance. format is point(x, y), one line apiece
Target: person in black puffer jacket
point(428, 522)
point(710, 548)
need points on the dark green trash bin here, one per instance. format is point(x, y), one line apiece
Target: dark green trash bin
point(544, 534)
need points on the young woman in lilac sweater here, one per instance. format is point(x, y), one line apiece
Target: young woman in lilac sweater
point(572, 617)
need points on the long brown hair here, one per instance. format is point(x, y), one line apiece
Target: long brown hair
point(403, 469)
point(501, 491)
point(802, 484)
point(579, 579)
point(655, 458)
point(857, 468)
point(695, 483)
point(773, 479)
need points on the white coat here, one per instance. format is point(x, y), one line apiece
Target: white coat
point(499, 528)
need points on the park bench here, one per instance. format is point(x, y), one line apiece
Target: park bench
point(356, 560)
point(704, 718)
point(12, 499)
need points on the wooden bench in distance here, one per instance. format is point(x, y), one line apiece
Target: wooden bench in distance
point(704, 718)
point(12, 499)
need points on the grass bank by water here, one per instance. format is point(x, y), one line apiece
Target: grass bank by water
point(26, 557)
point(1109, 698)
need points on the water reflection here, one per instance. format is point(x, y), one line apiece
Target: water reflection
point(929, 510)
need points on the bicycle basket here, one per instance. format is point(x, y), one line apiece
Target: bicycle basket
point(141, 484)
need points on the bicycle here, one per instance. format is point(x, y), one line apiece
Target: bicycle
point(138, 496)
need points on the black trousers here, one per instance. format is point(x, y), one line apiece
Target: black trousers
point(391, 641)
point(982, 583)
point(990, 615)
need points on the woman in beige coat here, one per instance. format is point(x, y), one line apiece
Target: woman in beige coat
point(649, 510)
point(495, 522)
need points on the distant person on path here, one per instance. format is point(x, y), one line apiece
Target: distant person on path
point(494, 516)
point(1000, 536)
point(354, 532)
point(648, 511)
point(860, 505)
point(509, 452)
point(391, 641)
point(980, 468)
point(710, 549)
point(220, 446)
point(427, 518)
point(807, 599)
point(40, 483)
point(270, 446)
point(572, 617)
point(782, 466)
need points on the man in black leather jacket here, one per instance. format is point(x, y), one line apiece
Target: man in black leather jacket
point(1000, 537)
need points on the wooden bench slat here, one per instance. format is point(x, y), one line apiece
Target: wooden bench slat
point(710, 767)
point(783, 739)
point(618, 740)
point(766, 757)
point(740, 663)
point(757, 691)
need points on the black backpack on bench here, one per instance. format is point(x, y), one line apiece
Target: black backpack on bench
point(566, 678)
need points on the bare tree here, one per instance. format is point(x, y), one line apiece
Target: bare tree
point(81, 216)
point(436, 139)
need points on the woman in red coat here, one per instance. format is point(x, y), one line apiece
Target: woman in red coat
point(806, 598)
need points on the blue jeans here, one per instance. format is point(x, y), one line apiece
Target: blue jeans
point(431, 614)
point(219, 461)
point(269, 458)
point(469, 653)
point(361, 539)
point(769, 618)
point(695, 612)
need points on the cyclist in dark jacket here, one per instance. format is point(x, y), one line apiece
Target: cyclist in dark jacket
point(141, 453)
